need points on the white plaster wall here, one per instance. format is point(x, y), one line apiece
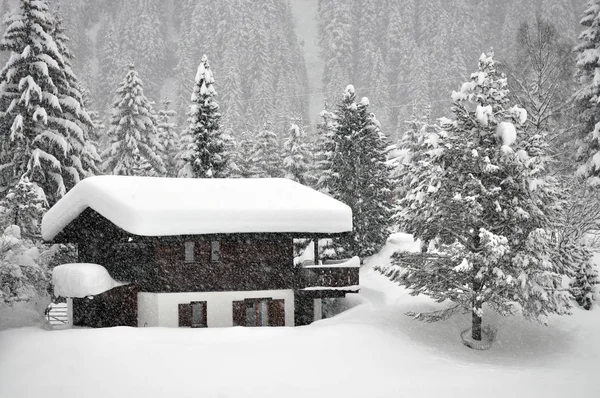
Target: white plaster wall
point(161, 309)
point(318, 309)
point(147, 309)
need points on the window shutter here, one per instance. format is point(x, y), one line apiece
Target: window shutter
point(204, 317)
point(239, 313)
point(277, 313)
point(185, 315)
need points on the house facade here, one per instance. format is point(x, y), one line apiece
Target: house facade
point(201, 252)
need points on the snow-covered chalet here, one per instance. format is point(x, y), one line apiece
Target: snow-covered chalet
point(187, 252)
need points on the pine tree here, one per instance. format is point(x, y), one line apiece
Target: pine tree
point(134, 148)
point(266, 160)
point(482, 195)
point(24, 206)
point(203, 151)
point(588, 96)
point(44, 125)
point(167, 137)
point(359, 175)
point(296, 155)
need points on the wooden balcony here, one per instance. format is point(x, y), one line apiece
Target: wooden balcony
point(330, 275)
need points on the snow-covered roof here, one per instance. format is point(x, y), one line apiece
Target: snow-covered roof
point(155, 206)
point(81, 280)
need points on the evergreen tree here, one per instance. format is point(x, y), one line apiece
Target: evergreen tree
point(296, 155)
point(266, 160)
point(482, 195)
point(167, 137)
point(24, 206)
point(203, 152)
point(44, 125)
point(359, 175)
point(322, 174)
point(134, 148)
point(588, 96)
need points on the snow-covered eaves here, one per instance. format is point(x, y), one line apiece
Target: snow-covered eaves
point(156, 206)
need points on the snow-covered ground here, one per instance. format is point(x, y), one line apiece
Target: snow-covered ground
point(371, 350)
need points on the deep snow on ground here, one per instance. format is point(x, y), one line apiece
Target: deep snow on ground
point(371, 350)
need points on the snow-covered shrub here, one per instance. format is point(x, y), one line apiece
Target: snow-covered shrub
point(22, 278)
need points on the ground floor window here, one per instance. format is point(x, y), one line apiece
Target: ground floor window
point(259, 312)
point(193, 314)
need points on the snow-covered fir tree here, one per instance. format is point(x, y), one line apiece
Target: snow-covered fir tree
point(588, 96)
point(481, 194)
point(168, 137)
point(24, 206)
point(359, 175)
point(266, 161)
point(44, 124)
point(321, 173)
point(296, 154)
point(134, 147)
point(203, 151)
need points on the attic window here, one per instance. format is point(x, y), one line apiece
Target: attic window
point(189, 252)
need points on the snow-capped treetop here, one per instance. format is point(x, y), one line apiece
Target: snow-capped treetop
point(134, 148)
point(202, 152)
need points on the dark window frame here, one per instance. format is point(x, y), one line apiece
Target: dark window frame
point(185, 314)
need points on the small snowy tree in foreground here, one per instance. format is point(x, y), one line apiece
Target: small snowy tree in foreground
point(296, 154)
point(134, 148)
point(482, 195)
point(24, 206)
point(203, 149)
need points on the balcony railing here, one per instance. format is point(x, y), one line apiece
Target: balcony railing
point(329, 275)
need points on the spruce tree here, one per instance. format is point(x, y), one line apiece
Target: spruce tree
point(202, 153)
point(359, 175)
point(321, 173)
point(588, 96)
point(44, 124)
point(134, 148)
point(482, 195)
point(167, 137)
point(296, 155)
point(266, 160)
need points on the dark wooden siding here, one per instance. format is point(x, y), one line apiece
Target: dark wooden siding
point(247, 263)
point(116, 307)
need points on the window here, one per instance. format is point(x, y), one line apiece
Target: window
point(189, 252)
point(259, 312)
point(198, 314)
point(215, 251)
point(193, 314)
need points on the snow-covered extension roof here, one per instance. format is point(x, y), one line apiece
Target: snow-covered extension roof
point(81, 280)
point(155, 206)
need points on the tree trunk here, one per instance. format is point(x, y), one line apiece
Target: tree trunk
point(476, 321)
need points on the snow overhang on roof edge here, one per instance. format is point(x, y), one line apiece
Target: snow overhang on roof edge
point(159, 206)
